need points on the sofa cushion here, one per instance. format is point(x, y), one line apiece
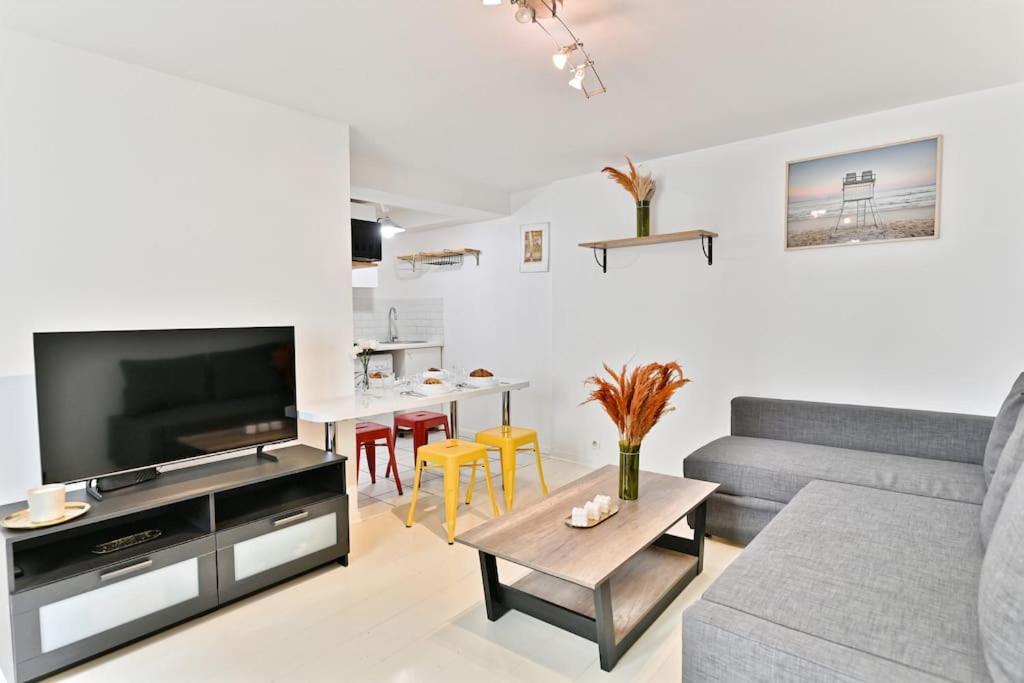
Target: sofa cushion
point(1001, 591)
point(918, 433)
point(888, 574)
point(1006, 420)
point(1009, 466)
point(777, 470)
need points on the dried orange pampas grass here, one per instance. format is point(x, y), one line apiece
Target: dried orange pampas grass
point(636, 400)
point(640, 186)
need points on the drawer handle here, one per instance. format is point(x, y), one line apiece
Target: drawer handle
point(290, 518)
point(123, 571)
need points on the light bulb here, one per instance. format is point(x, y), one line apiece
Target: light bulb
point(560, 59)
point(577, 78)
point(388, 228)
point(525, 14)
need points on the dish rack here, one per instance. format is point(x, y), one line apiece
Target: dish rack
point(451, 258)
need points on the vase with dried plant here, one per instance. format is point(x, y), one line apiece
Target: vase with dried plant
point(641, 187)
point(635, 401)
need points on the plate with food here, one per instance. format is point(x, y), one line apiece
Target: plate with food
point(381, 379)
point(433, 373)
point(481, 378)
point(433, 386)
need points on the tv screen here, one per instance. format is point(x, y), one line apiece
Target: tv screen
point(366, 240)
point(115, 401)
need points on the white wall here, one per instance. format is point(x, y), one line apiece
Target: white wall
point(132, 199)
point(494, 316)
point(930, 324)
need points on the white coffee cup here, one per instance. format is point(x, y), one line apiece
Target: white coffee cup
point(46, 503)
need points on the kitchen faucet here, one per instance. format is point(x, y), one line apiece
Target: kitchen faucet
point(392, 325)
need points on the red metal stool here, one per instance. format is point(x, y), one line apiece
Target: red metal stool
point(367, 435)
point(421, 422)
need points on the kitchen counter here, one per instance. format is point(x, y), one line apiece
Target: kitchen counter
point(385, 346)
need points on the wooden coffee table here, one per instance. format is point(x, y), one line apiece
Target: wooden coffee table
point(607, 583)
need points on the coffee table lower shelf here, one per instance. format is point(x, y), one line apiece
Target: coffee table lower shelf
point(616, 612)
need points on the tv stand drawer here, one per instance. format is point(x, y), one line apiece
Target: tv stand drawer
point(69, 620)
point(262, 553)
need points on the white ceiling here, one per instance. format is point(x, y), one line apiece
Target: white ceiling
point(457, 89)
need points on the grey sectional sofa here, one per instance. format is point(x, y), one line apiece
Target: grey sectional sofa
point(866, 559)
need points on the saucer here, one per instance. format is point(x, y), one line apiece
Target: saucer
point(22, 519)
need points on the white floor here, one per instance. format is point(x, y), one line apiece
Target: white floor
point(408, 608)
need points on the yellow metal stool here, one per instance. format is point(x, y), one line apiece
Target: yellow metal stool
point(508, 440)
point(450, 456)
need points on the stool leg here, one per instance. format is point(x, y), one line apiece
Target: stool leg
point(447, 428)
point(359, 457)
point(540, 468)
point(415, 490)
point(451, 498)
point(472, 485)
point(371, 461)
point(419, 437)
point(508, 473)
point(393, 464)
point(490, 487)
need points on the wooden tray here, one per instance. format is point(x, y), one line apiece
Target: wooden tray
point(22, 520)
point(612, 509)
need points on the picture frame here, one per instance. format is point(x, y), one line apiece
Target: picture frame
point(534, 247)
point(871, 195)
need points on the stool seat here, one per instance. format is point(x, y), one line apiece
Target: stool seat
point(450, 456)
point(508, 439)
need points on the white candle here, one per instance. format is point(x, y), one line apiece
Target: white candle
point(603, 504)
point(593, 511)
point(579, 517)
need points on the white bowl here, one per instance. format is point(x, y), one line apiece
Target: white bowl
point(433, 374)
point(482, 382)
point(433, 389)
point(382, 382)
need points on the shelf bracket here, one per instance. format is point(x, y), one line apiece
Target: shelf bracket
point(603, 261)
point(709, 249)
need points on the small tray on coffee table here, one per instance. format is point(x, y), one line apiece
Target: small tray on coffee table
point(612, 509)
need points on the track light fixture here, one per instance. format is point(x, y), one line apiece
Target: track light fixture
point(533, 12)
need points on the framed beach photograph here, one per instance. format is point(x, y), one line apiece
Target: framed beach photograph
point(887, 193)
point(534, 248)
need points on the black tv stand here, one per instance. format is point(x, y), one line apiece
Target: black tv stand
point(228, 529)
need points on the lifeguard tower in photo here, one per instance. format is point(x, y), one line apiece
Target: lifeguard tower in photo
point(859, 191)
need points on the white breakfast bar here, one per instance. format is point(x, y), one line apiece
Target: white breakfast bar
point(331, 411)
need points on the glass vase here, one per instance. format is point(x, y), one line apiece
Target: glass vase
point(629, 471)
point(643, 219)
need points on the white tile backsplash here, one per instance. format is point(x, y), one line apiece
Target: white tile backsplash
point(417, 318)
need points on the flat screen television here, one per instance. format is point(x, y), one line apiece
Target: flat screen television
point(114, 402)
point(366, 240)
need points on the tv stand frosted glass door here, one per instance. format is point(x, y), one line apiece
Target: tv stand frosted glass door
point(228, 529)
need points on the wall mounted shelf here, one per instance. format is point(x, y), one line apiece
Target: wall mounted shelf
point(445, 257)
point(706, 238)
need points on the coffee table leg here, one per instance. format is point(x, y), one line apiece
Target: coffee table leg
point(496, 609)
point(699, 531)
point(605, 622)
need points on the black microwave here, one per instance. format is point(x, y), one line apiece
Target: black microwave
point(365, 240)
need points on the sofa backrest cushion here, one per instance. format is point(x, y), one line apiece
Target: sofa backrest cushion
point(918, 433)
point(1007, 472)
point(1006, 419)
point(1001, 591)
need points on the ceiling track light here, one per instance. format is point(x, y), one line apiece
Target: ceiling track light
point(531, 12)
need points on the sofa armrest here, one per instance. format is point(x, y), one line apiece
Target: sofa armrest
point(917, 433)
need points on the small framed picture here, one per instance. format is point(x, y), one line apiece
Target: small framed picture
point(887, 193)
point(534, 248)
